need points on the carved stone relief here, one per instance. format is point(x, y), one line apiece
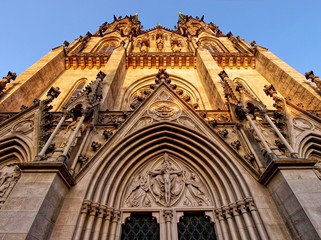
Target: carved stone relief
point(23, 126)
point(9, 176)
point(166, 183)
point(302, 124)
point(164, 110)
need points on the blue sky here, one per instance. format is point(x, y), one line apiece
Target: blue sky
point(290, 29)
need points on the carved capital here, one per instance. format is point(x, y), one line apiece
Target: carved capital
point(116, 216)
point(109, 214)
point(93, 209)
point(219, 214)
point(102, 211)
point(234, 209)
point(242, 206)
point(86, 206)
point(168, 215)
point(227, 212)
point(250, 204)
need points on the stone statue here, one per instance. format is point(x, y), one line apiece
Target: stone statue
point(195, 194)
point(160, 44)
point(7, 182)
point(166, 182)
point(310, 76)
point(144, 44)
point(138, 196)
point(182, 18)
point(5, 80)
point(176, 44)
point(69, 130)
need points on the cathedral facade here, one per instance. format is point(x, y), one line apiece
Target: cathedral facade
point(165, 134)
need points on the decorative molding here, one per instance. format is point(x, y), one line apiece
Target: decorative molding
point(49, 167)
point(161, 60)
point(284, 164)
point(87, 60)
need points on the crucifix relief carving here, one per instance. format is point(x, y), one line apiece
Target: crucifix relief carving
point(167, 183)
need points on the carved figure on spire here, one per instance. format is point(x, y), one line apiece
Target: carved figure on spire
point(310, 76)
point(5, 80)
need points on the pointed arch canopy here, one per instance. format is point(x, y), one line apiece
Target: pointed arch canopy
point(15, 147)
point(210, 159)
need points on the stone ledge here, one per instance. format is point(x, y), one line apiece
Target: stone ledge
point(49, 167)
point(284, 164)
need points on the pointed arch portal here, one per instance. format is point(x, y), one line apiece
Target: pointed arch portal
point(137, 164)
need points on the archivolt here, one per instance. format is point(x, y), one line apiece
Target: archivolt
point(14, 147)
point(310, 146)
point(213, 160)
point(208, 158)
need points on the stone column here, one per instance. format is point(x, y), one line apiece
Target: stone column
point(72, 138)
point(222, 223)
point(249, 225)
point(259, 134)
point(75, 160)
point(230, 222)
point(115, 221)
point(100, 216)
point(285, 142)
point(257, 219)
point(53, 134)
point(239, 221)
point(83, 215)
point(168, 215)
point(106, 223)
point(28, 83)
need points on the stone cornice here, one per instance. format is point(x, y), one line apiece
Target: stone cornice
point(49, 167)
point(285, 164)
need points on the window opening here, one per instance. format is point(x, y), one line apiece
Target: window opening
point(140, 226)
point(195, 226)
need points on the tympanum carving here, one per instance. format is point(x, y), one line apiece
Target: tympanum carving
point(166, 183)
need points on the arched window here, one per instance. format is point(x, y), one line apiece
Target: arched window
point(195, 225)
point(73, 93)
point(108, 48)
point(140, 226)
point(211, 48)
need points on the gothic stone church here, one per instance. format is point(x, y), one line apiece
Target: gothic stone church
point(164, 134)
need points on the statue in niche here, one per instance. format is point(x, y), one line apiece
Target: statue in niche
point(138, 196)
point(195, 193)
point(166, 183)
point(144, 46)
point(69, 130)
point(76, 116)
point(160, 44)
point(7, 182)
point(176, 44)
